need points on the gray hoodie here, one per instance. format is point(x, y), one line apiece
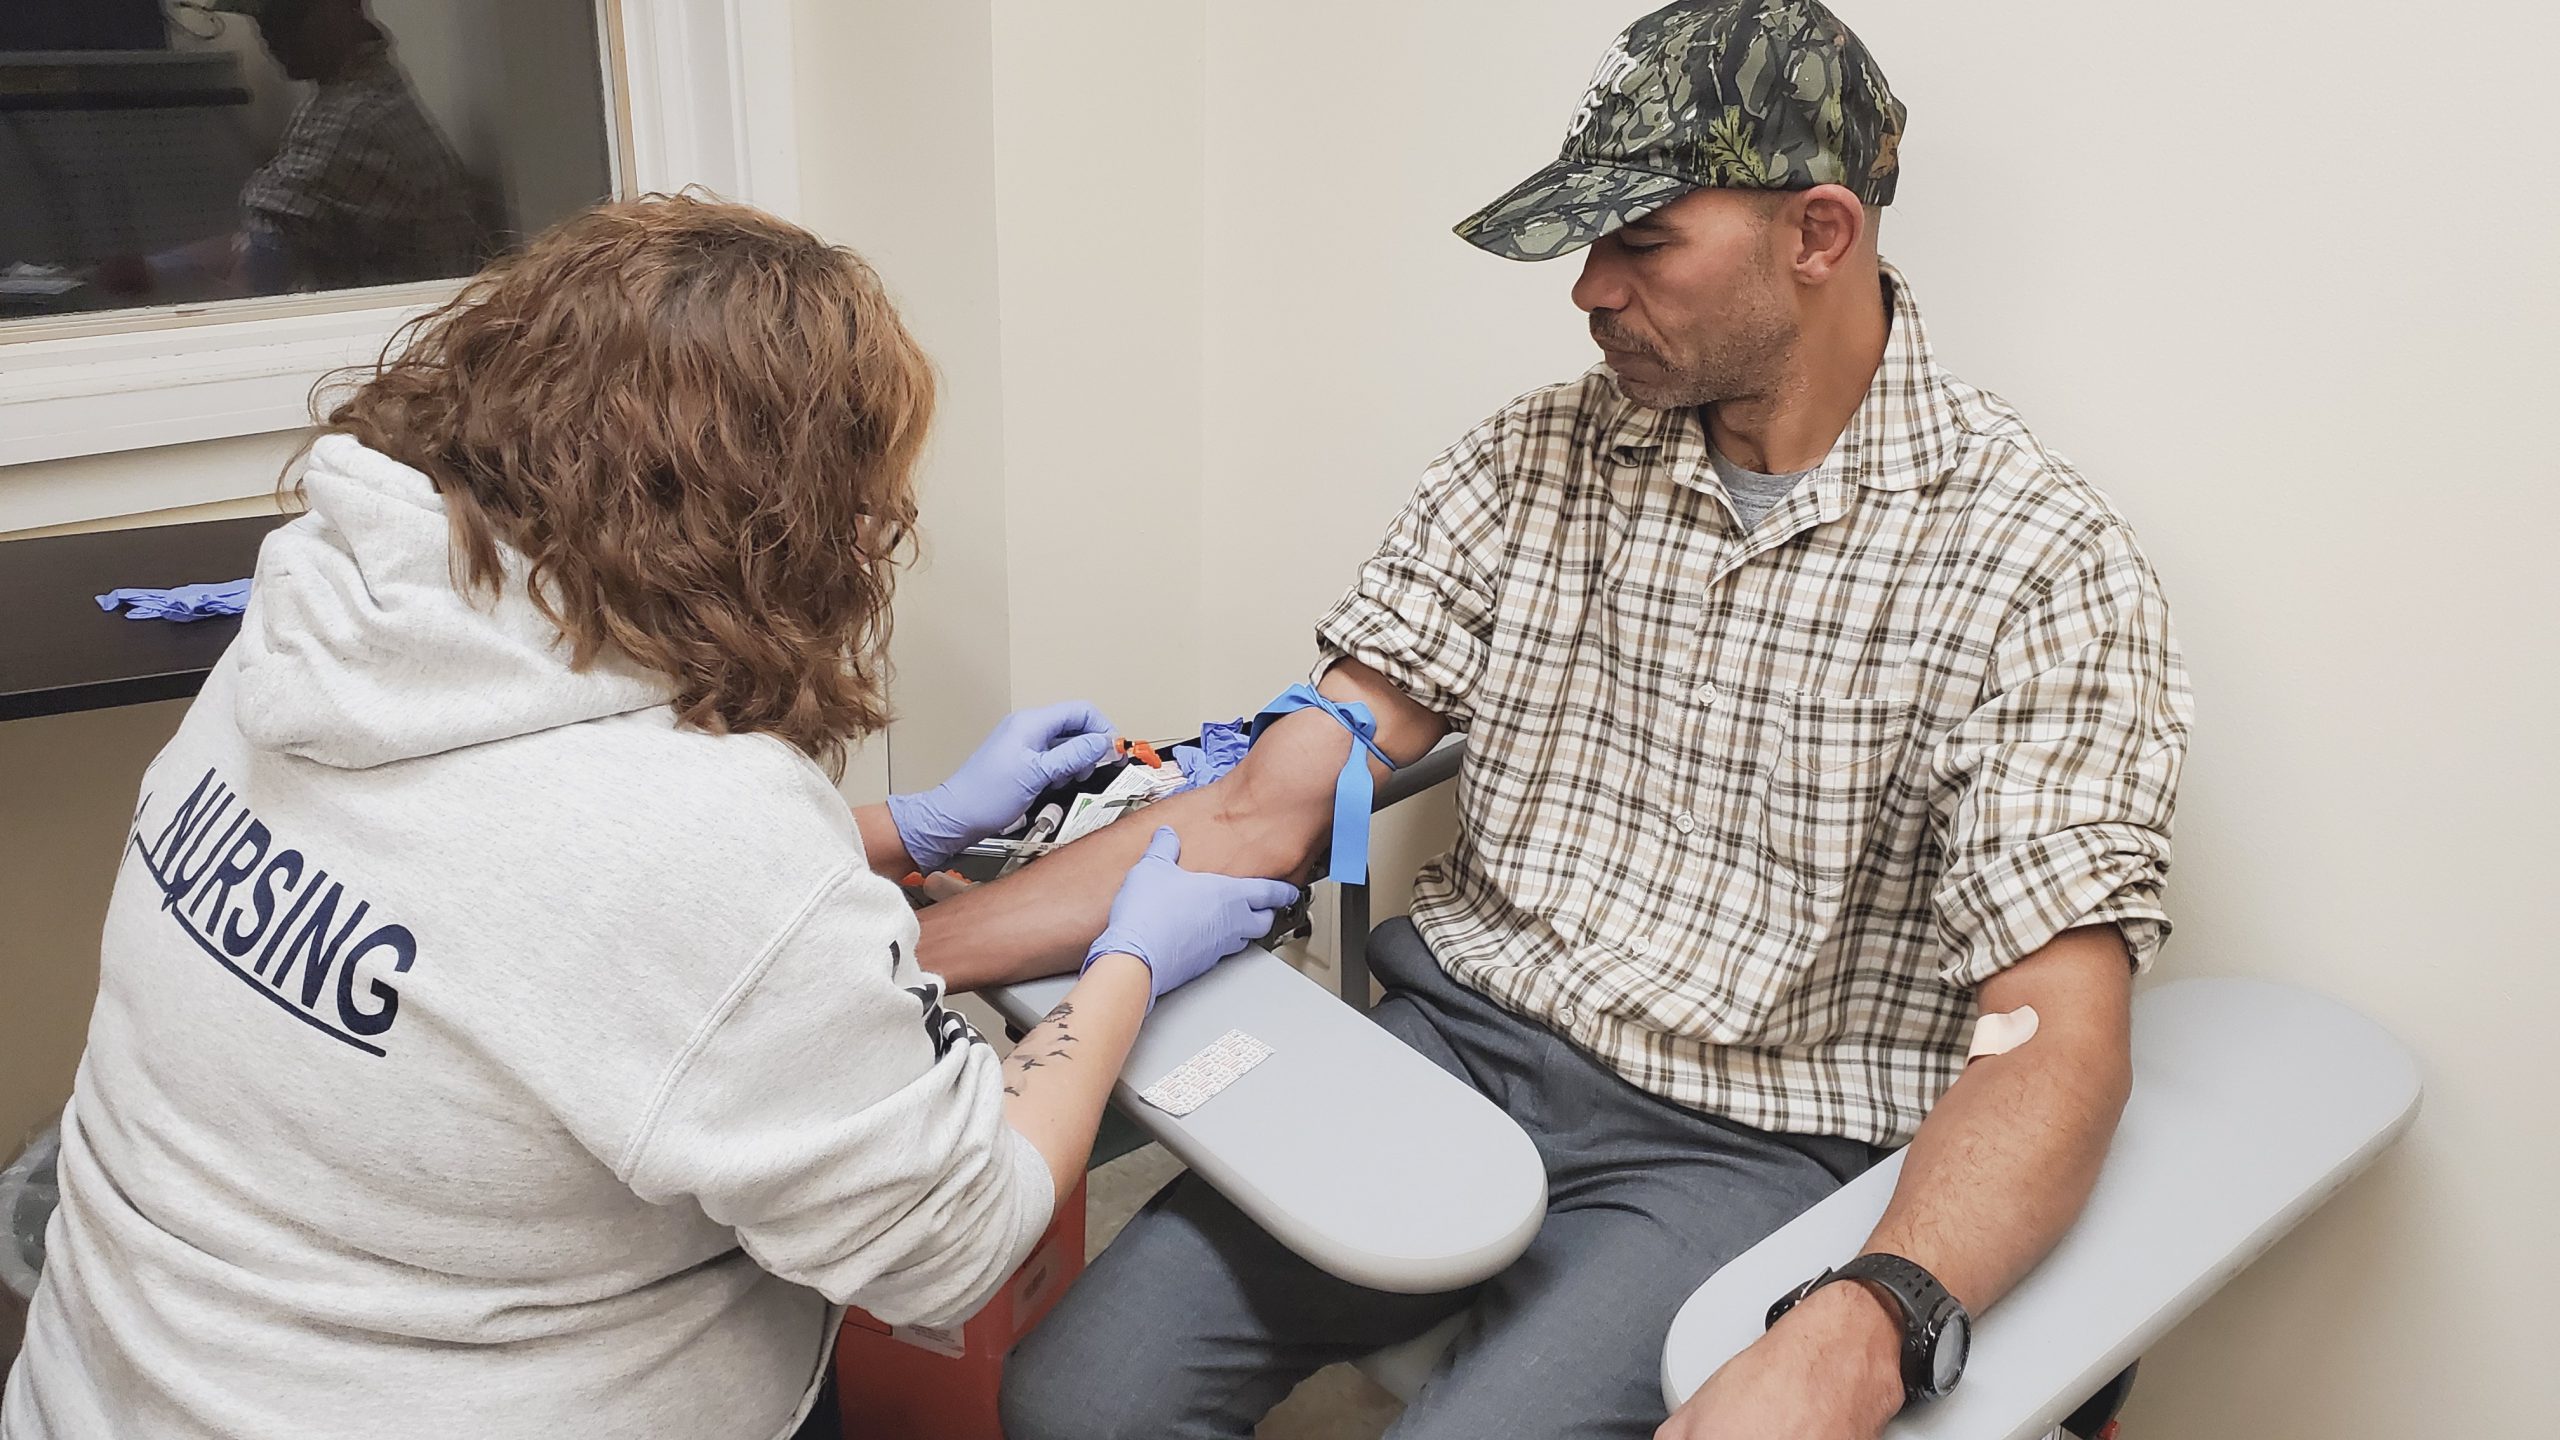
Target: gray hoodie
point(479, 1054)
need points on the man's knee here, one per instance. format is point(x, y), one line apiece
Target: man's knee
point(1041, 1395)
point(1606, 1388)
point(1060, 1384)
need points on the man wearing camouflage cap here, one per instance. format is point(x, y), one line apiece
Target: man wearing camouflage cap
point(1815, 714)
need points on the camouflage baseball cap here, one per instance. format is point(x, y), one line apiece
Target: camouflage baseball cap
point(1730, 94)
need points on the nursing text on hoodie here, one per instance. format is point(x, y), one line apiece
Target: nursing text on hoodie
point(225, 895)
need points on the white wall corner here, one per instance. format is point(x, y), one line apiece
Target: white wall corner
point(710, 87)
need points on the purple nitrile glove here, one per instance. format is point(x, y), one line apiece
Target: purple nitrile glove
point(184, 603)
point(1029, 751)
point(1181, 922)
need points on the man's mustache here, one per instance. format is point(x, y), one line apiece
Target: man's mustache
point(1609, 337)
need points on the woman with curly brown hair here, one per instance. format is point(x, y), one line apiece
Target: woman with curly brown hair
point(504, 1028)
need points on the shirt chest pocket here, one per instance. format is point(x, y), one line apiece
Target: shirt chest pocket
point(1824, 784)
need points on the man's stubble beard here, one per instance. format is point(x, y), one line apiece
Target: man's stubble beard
point(1747, 356)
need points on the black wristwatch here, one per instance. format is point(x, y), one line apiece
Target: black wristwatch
point(1937, 1334)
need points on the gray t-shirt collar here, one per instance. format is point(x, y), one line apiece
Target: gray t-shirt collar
point(1752, 493)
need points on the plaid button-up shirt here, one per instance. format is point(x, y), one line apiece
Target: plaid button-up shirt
point(363, 190)
point(1749, 816)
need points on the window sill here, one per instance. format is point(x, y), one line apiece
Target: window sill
point(207, 380)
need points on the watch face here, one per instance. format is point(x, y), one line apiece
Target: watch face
point(1946, 1358)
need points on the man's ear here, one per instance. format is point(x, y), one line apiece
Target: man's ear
point(1829, 225)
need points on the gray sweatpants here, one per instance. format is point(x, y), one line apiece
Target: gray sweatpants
point(1194, 1322)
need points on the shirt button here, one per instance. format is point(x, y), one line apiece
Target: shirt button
point(1684, 822)
point(1706, 696)
point(1567, 1015)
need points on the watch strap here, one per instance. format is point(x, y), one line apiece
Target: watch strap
point(1922, 1302)
point(1914, 1290)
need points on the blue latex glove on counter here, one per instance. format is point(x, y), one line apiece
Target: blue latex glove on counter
point(183, 604)
point(1029, 752)
point(1181, 922)
point(1221, 749)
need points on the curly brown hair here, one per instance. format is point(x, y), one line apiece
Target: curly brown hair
point(698, 424)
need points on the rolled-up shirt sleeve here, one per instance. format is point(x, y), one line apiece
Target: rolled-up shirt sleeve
point(2053, 798)
point(848, 1127)
point(1421, 612)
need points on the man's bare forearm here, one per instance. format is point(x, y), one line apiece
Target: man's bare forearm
point(2008, 1159)
point(2005, 1162)
point(1039, 920)
point(1266, 820)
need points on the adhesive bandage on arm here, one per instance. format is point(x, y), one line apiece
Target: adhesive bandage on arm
point(1999, 1034)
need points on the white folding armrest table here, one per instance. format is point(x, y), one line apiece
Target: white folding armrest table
point(1349, 1147)
point(2252, 1103)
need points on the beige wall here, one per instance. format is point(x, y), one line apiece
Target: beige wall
point(897, 153)
point(996, 160)
point(1351, 338)
point(1098, 169)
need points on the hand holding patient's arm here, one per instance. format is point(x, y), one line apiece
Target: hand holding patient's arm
point(1169, 925)
point(1028, 752)
point(1265, 819)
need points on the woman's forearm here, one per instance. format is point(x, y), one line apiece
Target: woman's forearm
point(883, 848)
point(1061, 1072)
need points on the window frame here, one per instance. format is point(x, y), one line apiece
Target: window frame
point(703, 97)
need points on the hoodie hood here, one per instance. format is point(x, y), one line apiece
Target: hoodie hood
point(359, 649)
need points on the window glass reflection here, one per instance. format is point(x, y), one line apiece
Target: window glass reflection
point(223, 148)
